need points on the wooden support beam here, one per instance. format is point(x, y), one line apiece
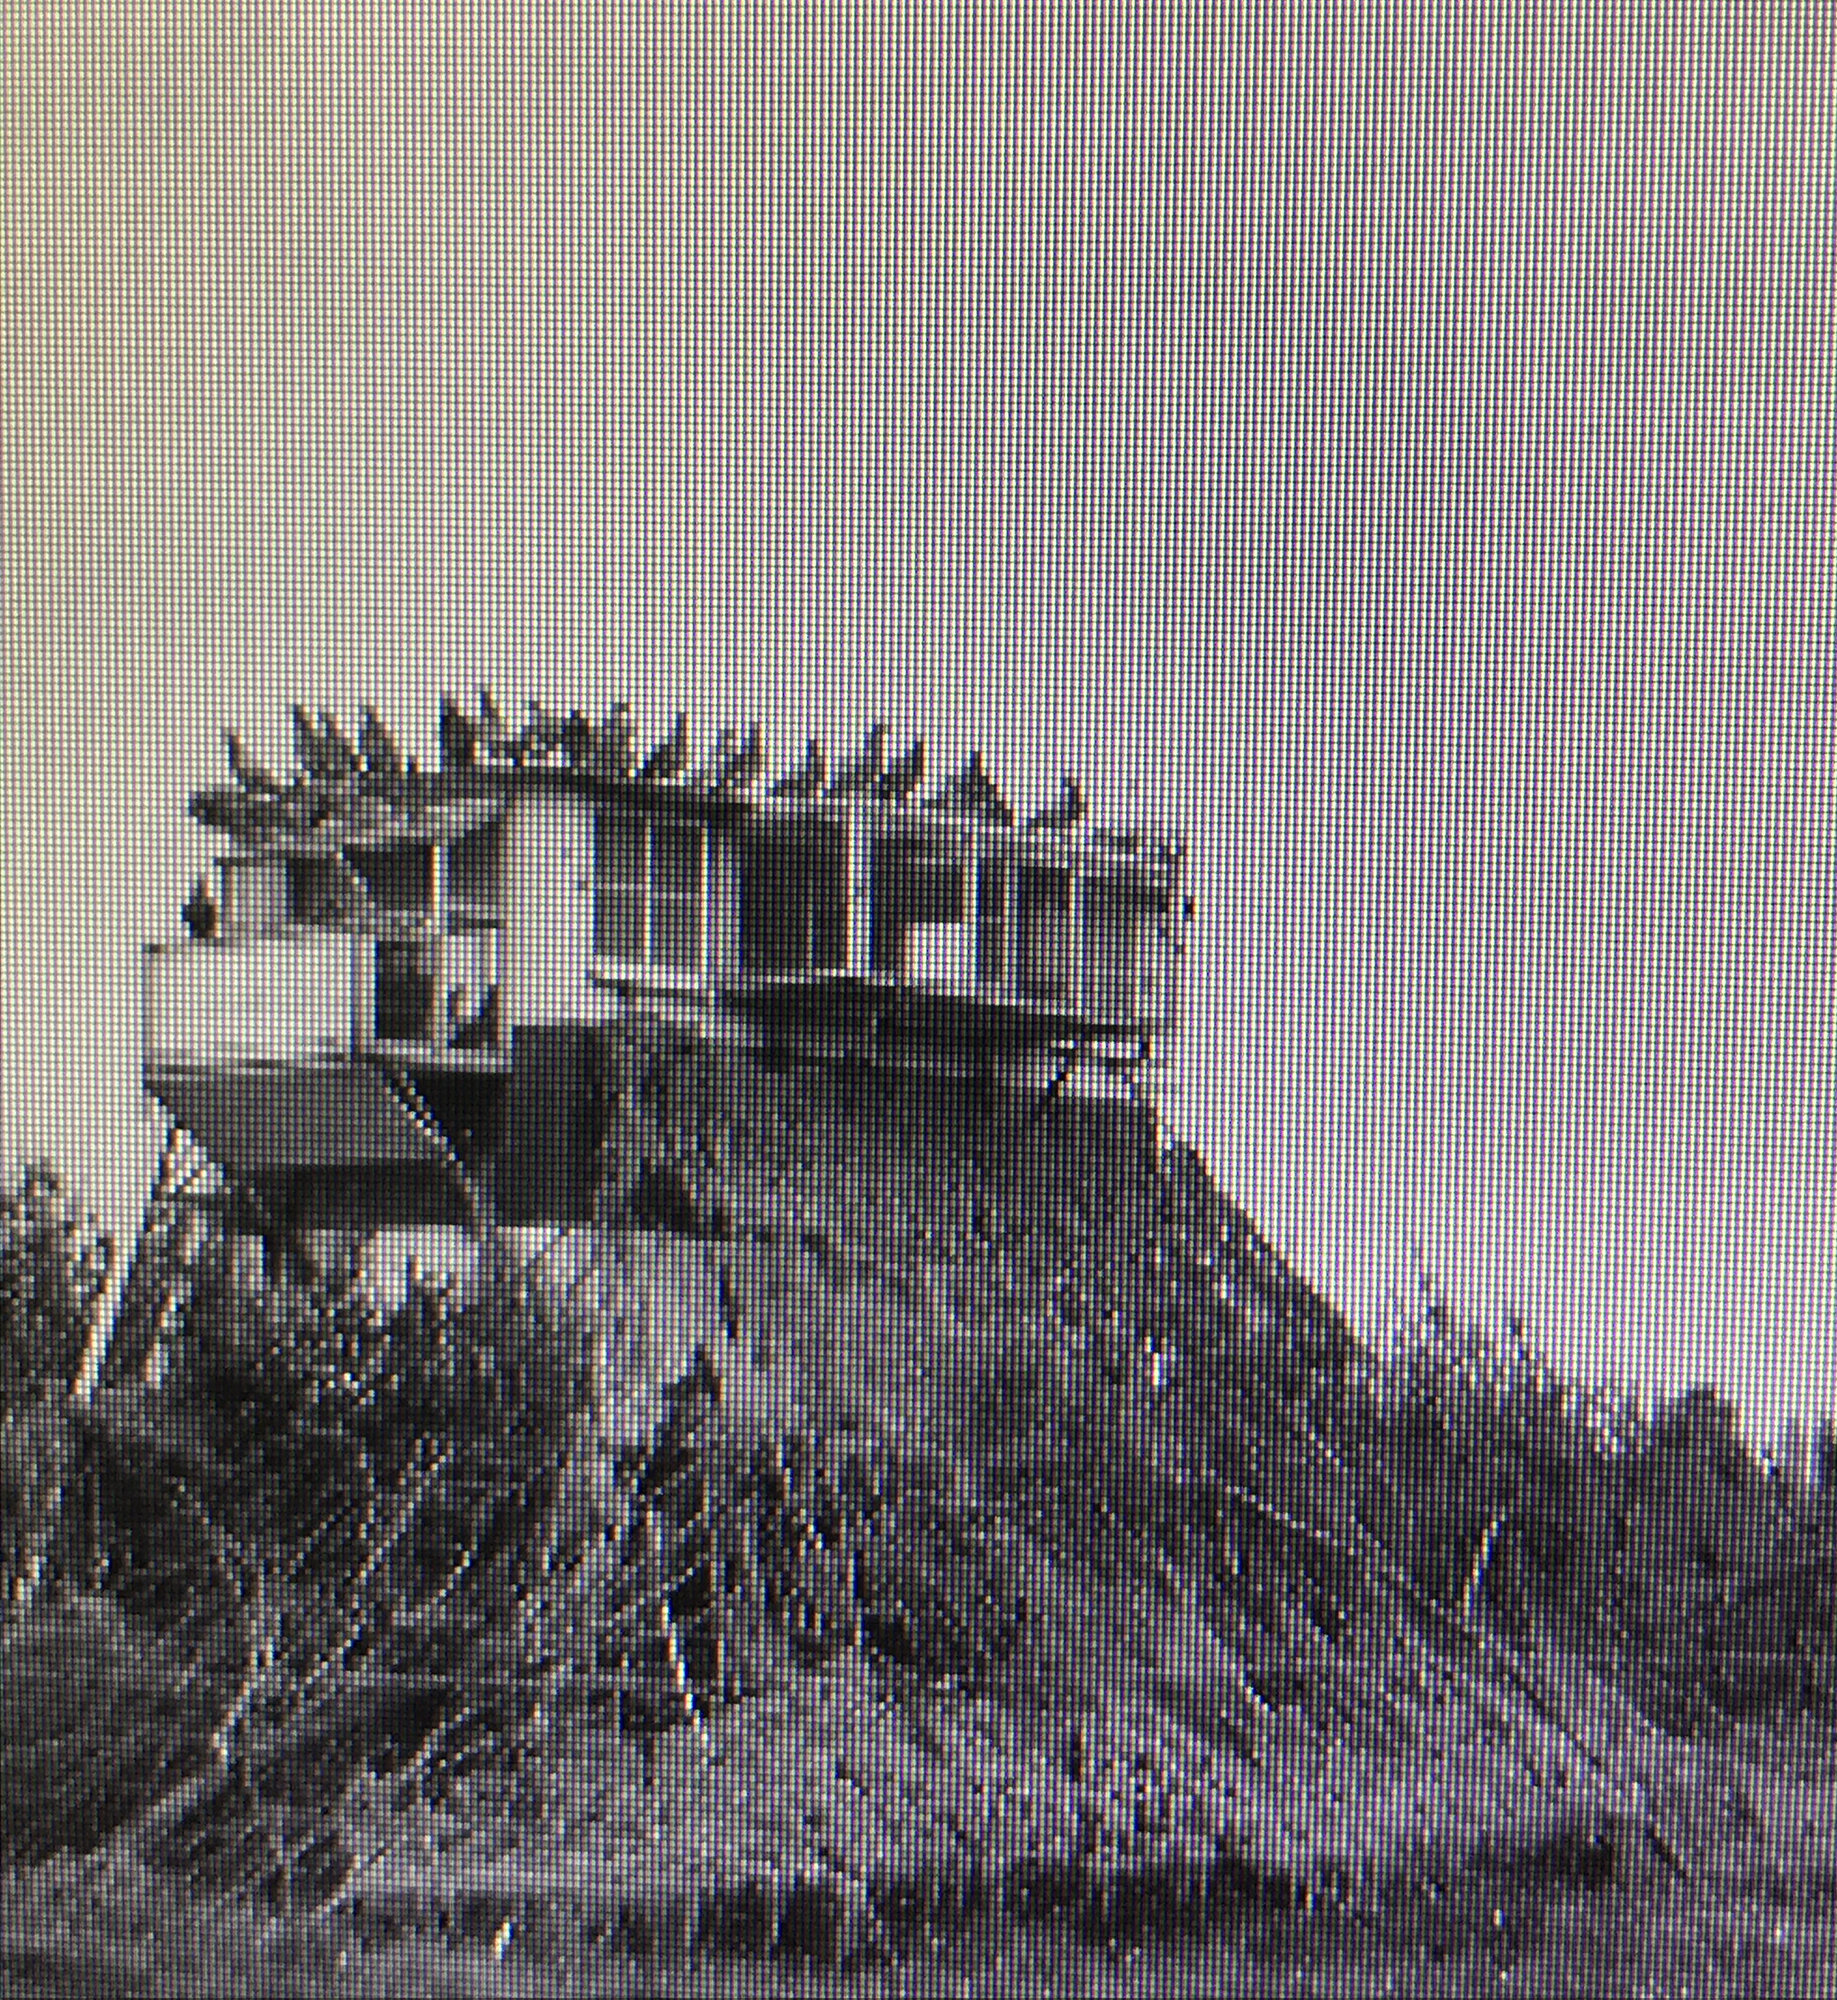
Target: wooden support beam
point(858, 863)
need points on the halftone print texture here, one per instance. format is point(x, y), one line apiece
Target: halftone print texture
point(914, 1053)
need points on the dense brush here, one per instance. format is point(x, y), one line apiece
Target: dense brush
point(1037, 1461)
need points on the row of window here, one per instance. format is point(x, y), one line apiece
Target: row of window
point(392, 881)
point(1009, 927)
point(1003, 927)
point(650, 893)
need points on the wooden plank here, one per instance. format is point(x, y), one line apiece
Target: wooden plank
point(276, 1000)
point(271, 1119)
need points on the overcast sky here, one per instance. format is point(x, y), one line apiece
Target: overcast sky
point(1398, 448)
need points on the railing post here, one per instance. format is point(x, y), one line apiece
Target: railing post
point(858, 862)
point(1076, 954)
point(970, 851)
point(148, 954)
point(439, 1009)
point(363, 992)
point(704, 960)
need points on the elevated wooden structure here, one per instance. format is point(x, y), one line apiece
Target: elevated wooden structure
point(402, 970)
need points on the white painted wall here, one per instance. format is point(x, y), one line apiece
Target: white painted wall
point(548, 910)
point(282, 999)
point(253, 893)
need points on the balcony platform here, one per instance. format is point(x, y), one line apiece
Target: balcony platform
point(306, 996)
point(905, 1011)
point(269, 1118)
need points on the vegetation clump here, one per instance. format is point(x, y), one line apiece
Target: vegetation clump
point(1090, 1565)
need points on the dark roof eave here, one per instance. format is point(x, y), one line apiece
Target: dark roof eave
point(438, 786)
point(411, 797)
point(679, 798)
point(1023, 1020)
point(1147, 848)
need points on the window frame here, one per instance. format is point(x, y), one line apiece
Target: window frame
point(649, 895)
point(372, 865)
point(905, 859)
point(309, 894)
point(1118, 910)
point(813, 893)
point(1043, 937)
point(473, 887)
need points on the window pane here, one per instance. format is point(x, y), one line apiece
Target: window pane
point(620, 849)
point(914, 883)
point(473, 871)
point(1043, 932)
point(828, 898)
point(619, 846)
point(792, 902)
point(676, 895)
point(312, 890)
point(1154, 950)
point(404, 992)
point(676, 933)
point(400, 879)
point(619, 927)
point(676, 859)
point(991, 923)
point(254, 894)
point(1112, 915)
point(774, 907)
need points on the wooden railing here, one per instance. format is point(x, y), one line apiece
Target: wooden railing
point(312, 994)
point(434, 993)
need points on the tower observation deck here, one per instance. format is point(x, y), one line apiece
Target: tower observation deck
point(392, 975)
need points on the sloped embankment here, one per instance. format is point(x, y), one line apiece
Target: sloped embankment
point(908, 1500)
point(985, 1463)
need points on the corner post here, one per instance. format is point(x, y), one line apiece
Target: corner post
point(858, 853)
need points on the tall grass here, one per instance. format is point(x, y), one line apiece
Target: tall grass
point(1649, 1534)
point(1119, 1455)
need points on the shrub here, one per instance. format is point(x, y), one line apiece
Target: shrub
point(54, 1264)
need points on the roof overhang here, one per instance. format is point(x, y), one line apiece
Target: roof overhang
point(320, 817)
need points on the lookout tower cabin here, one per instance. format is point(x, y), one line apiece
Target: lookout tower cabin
point(394, 980)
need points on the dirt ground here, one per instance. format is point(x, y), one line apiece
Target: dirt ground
point(1742, 1926)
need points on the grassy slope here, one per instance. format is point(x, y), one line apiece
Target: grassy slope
point(1023, 1541)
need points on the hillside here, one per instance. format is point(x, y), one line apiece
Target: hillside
point(906, 1510)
